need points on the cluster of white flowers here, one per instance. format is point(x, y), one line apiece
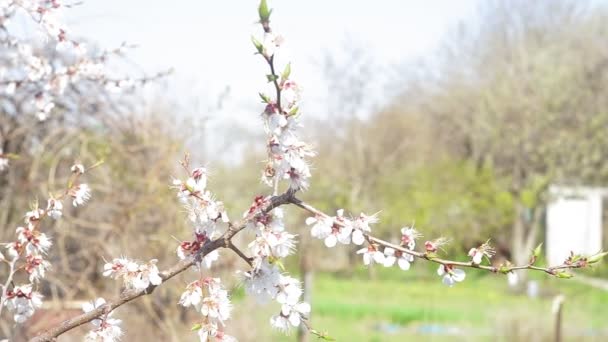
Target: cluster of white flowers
point(204, 212)
point(266, 282)
point(134, 275)
point(22, 301)
point(211, 300)
point(25, 73)
point(191, 249)
point(206, 295)
point(287, 154)
point(28, 253)
point(290, 315)
point(271, 238)
point(106, 329)
point(341, 229)
point(39, 71)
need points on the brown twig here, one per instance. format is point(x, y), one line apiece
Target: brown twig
point(431, 257)
point(240, 253)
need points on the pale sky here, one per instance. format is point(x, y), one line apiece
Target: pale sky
point(208, 42)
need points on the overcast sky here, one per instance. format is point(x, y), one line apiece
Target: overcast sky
point(208, 42)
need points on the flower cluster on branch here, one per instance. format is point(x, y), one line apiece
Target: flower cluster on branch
point(27, 255)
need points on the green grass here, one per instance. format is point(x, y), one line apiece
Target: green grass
point(481, 308)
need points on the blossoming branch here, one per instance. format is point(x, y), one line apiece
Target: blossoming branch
point(212, 230)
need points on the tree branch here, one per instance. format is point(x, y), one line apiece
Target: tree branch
point(240, 253)
point(431, 257)
point(130, 295)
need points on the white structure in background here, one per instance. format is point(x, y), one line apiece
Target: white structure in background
point(574, 222)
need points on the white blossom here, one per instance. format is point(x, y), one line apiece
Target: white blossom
point(105, 329)
point(23, 302)
point(134, 275)
point(34, 241)
point(270, 44)
point(81, 194)
point(210, 329)
point(33, 215)
point(260, 282)
point(289, 290)
point(361, 226)
point(321, 226)
point(148, 274)
point(403, 260)
point(478, 253)
point(292, 314)
point(331, 229)
point(216, 305)
point(371, 255)
point(77, 168)
point(210, 258)
point(12, 249)
point(192, 296)
point(36, 267)
point(450, 274)
point(476, 256)
point(290, 92)
point(409, 236)
point(54, 208)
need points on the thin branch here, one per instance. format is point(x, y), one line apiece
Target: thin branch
point(240, 253)
point(431, 257)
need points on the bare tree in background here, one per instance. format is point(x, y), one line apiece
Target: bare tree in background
point(524, 92)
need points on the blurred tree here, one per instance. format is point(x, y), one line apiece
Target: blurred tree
point(522, 92)
point(513, 103)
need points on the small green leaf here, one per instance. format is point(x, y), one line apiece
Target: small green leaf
point(196, 327)
point(258, 46)
point(432, 255)
point(286, 72)
point(537, 250)
point(276, 261)
point(504, 269)
point(294, 110)
point(564, 275)
point(271, 77)
point(264, 98)
point(597, 257)
point(322, 335)
point(263, 11)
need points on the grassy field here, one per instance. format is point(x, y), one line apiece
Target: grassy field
point(415, 306)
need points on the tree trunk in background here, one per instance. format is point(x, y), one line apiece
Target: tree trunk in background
point(307, 283)
point(518, 254)
point(524, 239)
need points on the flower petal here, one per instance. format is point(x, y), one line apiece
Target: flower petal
point(458, 274)
point(403, 263)
point(331, 241)
point(447, 280)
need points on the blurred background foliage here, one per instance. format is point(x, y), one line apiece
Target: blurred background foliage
point(463, 146)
